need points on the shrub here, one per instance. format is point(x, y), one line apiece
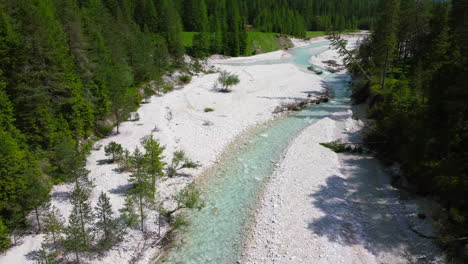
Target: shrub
point(180, 161)
point(207, 110)
point(185, 79)
point(167, 87)
point(114, 150)
point(227, 80)
point(4, 239)
point(179, 222)
point(103, 130)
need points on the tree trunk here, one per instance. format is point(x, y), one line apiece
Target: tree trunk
point(159, 225)
point(77, 256)
point(37, 219)
point(141, 214)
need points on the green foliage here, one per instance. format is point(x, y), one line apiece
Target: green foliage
point(127, 213)
point(78, 233)
point(179, 222)
point(283, 20)
point(189, 198)
point(114, 150)
point(207, 110)
point(106, 225)
point(53, 225)
point(103, 130)
point(154, 164)
point(185, 79)
point(141, 190)
point(179, 162)
point(45, 255)
point(227, 80)
point(417, 90)
point(4, 236)
point(187, 38)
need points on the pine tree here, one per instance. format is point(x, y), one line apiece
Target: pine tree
point(106, 224)
point(53, 225)
point(127, 212)
point(154, 164)
point(384, 37)
point(171, 27)
point(141, 189)
point(79, 231)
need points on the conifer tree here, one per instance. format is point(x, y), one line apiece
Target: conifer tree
point(106, 223)
point(384, 37)
point(53, 225)
point(79, 230)
point(141, 189)
point(127, 212)
point(171, 27)
point(154, 164)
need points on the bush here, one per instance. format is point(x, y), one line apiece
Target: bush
point(167, 87)
point(4, 239)
point(207, 110)
point(185, 79)
point(103, 130)
point(227, 80)
point(179, 222)
point(179, 162)
point(114, 150)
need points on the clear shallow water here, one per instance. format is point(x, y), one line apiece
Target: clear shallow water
point(230, 191)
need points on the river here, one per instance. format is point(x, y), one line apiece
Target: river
point(215, 233)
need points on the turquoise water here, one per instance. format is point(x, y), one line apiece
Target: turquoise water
point(216, 233)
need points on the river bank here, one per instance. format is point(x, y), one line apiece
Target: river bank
point(179, 121)
point(323, 207)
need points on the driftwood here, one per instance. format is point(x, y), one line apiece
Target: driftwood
point(312, 68)
point(299, 104)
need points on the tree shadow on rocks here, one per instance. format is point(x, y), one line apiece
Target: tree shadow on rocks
point(121, 189)
point(361, 208)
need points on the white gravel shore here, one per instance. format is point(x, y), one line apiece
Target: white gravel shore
point(323, 207)
point(179, 121)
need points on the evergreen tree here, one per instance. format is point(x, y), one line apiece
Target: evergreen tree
point(154, 164)
point(171, 27)
point(79, 230)
point(53, 225)
point(106, 224)
point(4, 236)
point(384, 37)
point(141, 181)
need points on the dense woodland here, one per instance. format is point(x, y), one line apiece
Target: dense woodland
point(72, 69)
point(413, 72)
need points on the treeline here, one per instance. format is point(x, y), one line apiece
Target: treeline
point(66, 67)
point(311, 15)
point(222, 22)
point(414, 75)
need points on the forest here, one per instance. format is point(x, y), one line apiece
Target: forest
point(412, 71)
point(70, 70)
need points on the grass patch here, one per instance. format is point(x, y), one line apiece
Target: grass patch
point(187, 38)
point(207, 110)
point(314, 34)
point(260, 42)
point(185, 79)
